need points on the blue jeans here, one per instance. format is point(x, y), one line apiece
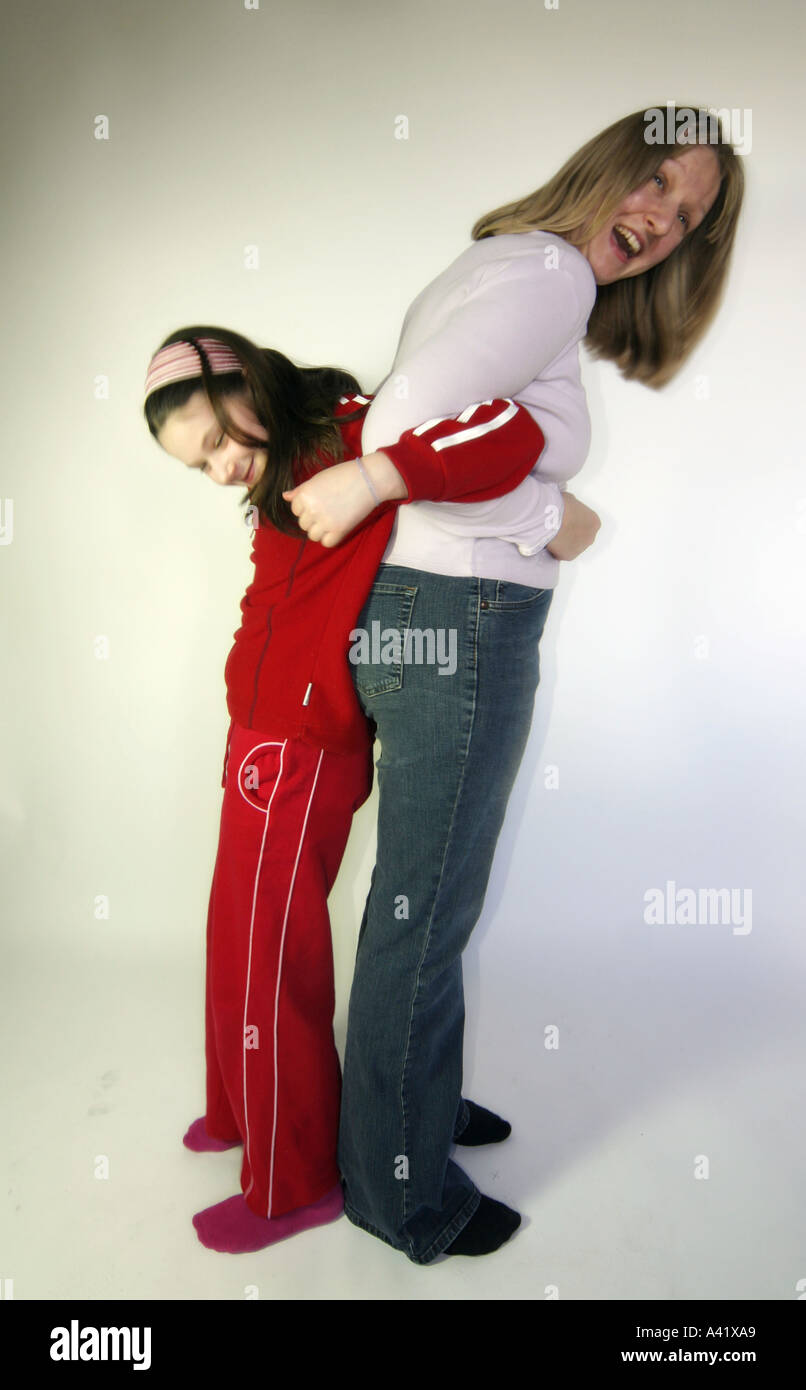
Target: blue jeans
point(451, 745)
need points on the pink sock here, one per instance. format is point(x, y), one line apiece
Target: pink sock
point(200, 1141)
point(232, 1226)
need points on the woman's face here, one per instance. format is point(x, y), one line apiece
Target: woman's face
point(653, 220)
point(193, 435)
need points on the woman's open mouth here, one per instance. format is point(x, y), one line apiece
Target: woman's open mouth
point(627, 245)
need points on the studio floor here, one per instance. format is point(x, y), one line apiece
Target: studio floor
point(106, 1064)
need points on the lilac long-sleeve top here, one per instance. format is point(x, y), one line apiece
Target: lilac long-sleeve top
point(504, 320)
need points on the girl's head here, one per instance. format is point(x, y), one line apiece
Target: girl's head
point(244, 415)
point(655, 213)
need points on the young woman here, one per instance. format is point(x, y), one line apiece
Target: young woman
point(298, 759)
point(626, 247)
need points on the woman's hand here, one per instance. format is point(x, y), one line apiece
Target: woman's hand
point(578, 529)
point(334, 501)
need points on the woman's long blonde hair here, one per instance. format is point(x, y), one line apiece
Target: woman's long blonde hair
point(647, 324)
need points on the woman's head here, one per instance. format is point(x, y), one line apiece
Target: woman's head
point(654, 219)
point(655, 214)
point(244, 415)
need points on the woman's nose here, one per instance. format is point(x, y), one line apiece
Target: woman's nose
point(659, 220)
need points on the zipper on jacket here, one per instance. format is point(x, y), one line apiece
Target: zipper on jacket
point(259, 666)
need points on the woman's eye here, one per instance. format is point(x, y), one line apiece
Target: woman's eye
point(662, 182)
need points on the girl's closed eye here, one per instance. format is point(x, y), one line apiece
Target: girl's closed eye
point(217, 445)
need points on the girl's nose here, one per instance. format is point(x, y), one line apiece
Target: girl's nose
point(226, 467)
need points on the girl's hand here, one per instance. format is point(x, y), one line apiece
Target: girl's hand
point(334, 501)
point(578, 530)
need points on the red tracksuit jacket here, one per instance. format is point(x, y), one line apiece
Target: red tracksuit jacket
point(288, 673)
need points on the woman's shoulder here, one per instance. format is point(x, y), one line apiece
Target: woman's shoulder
point(521, 274)
point(512, 268)
point(518, 251)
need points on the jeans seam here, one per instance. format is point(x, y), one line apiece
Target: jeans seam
point(446, 1237)
point(466, 1113)
point(451, 826)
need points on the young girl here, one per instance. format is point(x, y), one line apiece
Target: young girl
point(298, 760)
point(626, 247)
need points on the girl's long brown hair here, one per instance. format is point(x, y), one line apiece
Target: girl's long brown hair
point(294, 405)
point(647, 324)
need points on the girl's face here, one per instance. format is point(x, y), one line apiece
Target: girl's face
point(193, 435)
point(653, 220)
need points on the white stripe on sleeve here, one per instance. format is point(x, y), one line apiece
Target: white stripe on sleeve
point(477, 431)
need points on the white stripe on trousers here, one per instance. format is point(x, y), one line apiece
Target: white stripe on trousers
point(249, 755)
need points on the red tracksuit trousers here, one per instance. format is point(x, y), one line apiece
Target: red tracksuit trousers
point(273, 1072)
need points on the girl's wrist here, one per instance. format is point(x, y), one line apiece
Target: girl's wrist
point(386, 480)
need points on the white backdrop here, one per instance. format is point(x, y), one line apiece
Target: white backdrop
point(671, 698)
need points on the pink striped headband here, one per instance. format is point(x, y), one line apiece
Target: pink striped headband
point(179, 361)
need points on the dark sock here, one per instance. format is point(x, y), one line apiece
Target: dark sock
point(483, 1127)
point(491, 1224)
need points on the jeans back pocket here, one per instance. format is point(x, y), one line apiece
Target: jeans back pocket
point(377, 641)
point(509, 595)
